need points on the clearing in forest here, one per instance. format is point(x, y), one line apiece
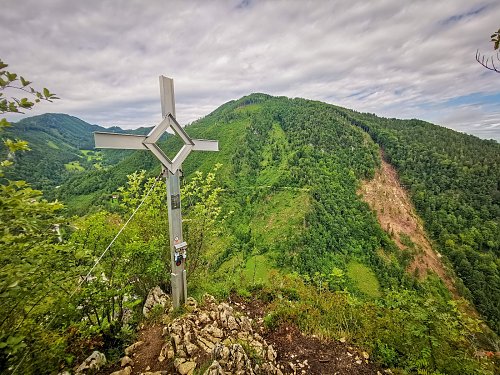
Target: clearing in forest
point(397, 216)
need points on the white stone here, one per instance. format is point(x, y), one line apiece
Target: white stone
point(155, 297)
point(93, 363)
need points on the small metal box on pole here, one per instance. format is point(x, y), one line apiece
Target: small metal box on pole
point(171, 170)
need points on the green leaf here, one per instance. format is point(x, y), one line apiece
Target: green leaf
point(46, 92)
point(11, 76)
point(24, 82)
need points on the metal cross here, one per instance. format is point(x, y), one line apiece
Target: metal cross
point(172, 167)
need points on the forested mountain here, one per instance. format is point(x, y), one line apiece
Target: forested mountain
point(61, 145)
point(281, 219)
point(454, 180)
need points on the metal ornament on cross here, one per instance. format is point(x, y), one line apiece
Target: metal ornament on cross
point(172, 173)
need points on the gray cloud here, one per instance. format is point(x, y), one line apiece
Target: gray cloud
point(394, 58)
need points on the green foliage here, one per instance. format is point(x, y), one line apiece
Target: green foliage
point(495, 38)
point(285, 201)
point(60, 148)
point(364, 279)
point(32, 260)
point(203, 219)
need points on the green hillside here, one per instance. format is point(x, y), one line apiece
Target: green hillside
point(280, 220)
point(61, 146)
point(454, 180)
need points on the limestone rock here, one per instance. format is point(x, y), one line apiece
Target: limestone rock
point(130, 349)
point(231, 323)
point(92, 364)
point(155, 297)
point(125, 371)
point(215, 330)
point(191, 304)
point(271, 354)
point(166, 352)
point(245, 324)
point(214, 369)
point(212, 331)
point(204, 318)
point(126, 361)
point(186, 368)
point(208, 300)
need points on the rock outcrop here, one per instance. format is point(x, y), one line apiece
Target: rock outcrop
point(92, 364)
point(155, 297)
point(214, 333)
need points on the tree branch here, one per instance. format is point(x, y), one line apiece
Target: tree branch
point(486, 64)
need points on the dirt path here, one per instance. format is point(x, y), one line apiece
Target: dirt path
point(396, 215)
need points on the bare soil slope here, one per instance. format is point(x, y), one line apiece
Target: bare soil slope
point(397, 216)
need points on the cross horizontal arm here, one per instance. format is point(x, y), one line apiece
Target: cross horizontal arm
point(205, 145)
point(123, 141)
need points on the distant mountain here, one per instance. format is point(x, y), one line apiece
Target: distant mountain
point(61, 145)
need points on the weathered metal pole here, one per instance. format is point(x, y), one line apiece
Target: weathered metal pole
point(177, 245)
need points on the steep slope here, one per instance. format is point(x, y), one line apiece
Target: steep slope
point(296, 234)
point(396, 214)
point(454, 182)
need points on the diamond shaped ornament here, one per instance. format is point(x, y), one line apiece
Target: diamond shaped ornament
point(140, 142)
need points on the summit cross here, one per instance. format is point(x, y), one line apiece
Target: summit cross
point(171, 171)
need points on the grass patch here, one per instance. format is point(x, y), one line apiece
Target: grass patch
point(364, 279)
point(74, 166)
point(278, 215)
point(257, 269)
point(52, 145)
point(92, 155)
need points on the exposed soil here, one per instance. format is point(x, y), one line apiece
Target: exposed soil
point(320, 357)
point(147, 354)
point(396, 215)
point(255, 309)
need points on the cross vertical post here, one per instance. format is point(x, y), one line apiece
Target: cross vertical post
point(178, 265)
point(171, 172)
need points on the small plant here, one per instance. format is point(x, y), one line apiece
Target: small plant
point(271, 320)
point(251, 352)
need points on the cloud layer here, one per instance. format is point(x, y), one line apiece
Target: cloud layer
point(394, 58)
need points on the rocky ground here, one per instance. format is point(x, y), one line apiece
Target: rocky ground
point(230, 338)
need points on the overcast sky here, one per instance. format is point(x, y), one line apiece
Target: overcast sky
point(405, 59)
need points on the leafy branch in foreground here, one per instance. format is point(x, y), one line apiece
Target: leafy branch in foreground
point(33, 261)
point(10, 82)
point(489, 63)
